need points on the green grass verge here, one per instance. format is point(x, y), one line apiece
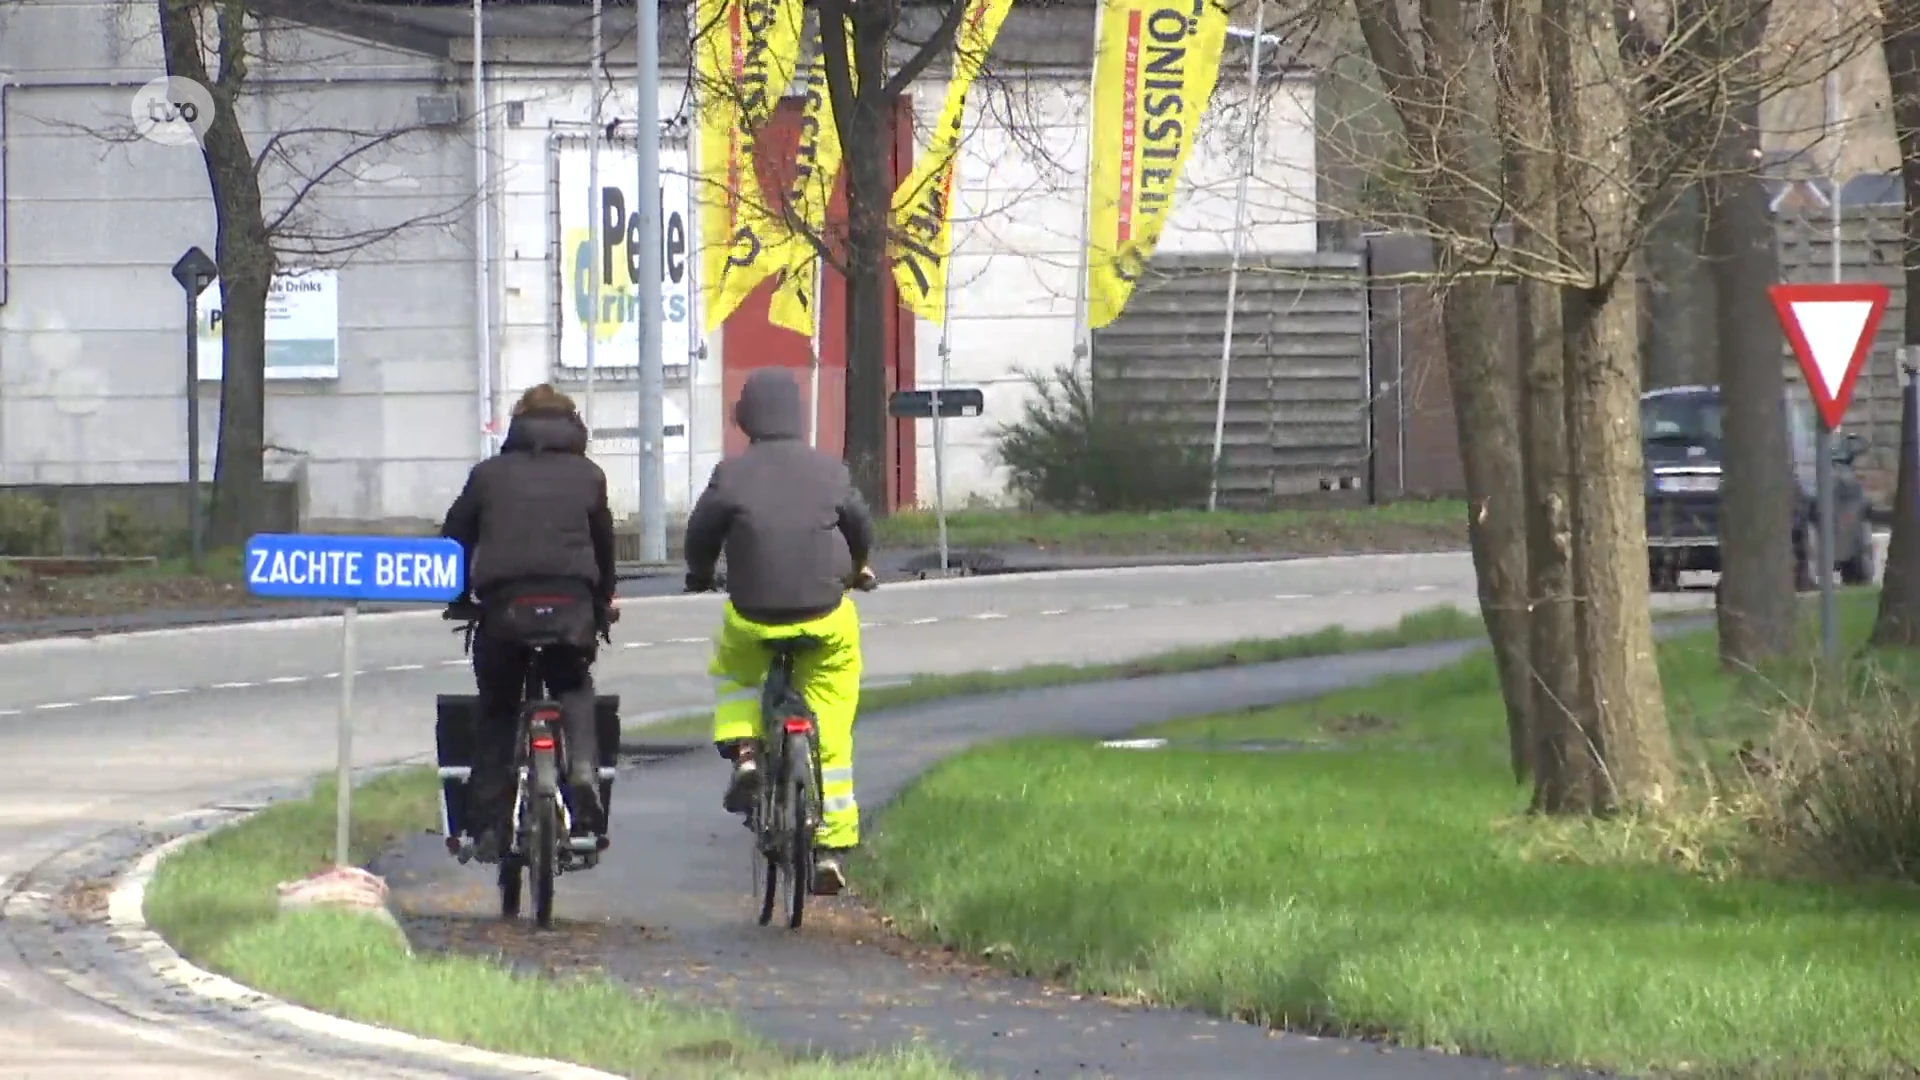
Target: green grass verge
point(1411, 524)
point(1439, 623)
point(215, 902)
point(1384, 885)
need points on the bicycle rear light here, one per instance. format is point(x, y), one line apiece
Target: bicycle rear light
point(543, 742)
point(797, 725)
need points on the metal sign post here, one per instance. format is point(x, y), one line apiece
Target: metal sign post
point(354, 570)
point(195, 271)
point(939, 405)
point(1831, 327)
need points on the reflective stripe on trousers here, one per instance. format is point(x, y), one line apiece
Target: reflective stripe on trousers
point(828, 677)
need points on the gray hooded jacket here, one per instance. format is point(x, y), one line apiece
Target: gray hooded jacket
point(787, 516)
point(537, 510)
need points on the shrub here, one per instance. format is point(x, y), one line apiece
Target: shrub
point(28, 526)
point(1068, 451)
point(1841, 780)
point(125, 533)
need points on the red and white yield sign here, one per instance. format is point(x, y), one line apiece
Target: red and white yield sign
point(1831, 327)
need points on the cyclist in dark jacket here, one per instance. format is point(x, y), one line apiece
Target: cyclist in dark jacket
point(534, 521)
point(794, 532)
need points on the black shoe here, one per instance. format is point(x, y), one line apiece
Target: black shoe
point(589, 817)
point(829, 871)
point(744, 787)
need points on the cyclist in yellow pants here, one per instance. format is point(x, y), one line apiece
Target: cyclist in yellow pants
point(795, 533)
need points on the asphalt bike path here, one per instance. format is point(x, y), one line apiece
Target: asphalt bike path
point(669, 909)
point(114, 735)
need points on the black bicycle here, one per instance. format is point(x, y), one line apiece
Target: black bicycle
point(788, 811)
point(541, 843)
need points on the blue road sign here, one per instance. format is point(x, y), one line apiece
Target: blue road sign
point(369, 569)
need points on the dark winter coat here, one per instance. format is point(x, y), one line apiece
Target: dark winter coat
point(787, 516)
point(536, 510)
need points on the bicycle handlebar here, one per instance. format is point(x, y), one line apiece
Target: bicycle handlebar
point(866, 581)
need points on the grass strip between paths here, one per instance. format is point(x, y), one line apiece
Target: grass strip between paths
point(215, 901)
point(1411, 525)
point(1426, 626)
point(1382, 881)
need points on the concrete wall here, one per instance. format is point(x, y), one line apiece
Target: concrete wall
point(91, 330)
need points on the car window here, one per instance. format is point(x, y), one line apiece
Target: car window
point(1689, 418)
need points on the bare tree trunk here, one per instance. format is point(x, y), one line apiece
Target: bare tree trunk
point(1756, 607)
point(853, 37)
point(1433, 96)
point(1898, 621)
point(1680, 299)
point(1486, 405)
point(244, 251)
point(1590, 91)
point(1564, 768)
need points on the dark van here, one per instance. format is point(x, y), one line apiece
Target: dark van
point(1680, 429)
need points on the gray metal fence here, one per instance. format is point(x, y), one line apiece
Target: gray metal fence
point(1298, 418)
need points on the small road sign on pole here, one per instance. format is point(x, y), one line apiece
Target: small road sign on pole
point(357, 570)
point(195, 271)
point(940, 404)
point(1831, 327)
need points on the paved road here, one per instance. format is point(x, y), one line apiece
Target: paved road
point(138, 727)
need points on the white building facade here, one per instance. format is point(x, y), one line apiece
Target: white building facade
point(92, 337)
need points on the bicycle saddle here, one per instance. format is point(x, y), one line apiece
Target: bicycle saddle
point(792, 646)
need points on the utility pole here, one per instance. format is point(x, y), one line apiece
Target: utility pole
point(653, 376)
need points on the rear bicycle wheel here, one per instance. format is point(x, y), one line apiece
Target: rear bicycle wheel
point(796, 788)
point(543, 860)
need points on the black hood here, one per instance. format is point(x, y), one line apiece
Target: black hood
point(769, 406)
point(545, 432)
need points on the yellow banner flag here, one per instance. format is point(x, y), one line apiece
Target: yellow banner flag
point(816, 165)
point(744, 54)
point(1153, 74)
point(923, 205)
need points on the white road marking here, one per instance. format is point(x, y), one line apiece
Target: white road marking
point(985, 616)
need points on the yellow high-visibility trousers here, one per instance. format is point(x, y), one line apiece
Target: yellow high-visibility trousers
point(828, 677)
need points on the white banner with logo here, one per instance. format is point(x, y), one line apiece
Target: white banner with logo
point(303, 327)
point(616, 331)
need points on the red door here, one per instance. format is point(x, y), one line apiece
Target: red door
point(750, 342)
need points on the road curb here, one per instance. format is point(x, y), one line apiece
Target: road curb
point(127, 924)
